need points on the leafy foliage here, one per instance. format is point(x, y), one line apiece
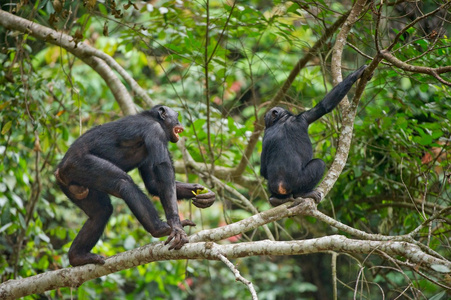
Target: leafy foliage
point(219, 64)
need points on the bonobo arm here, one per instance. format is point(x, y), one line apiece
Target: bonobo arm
point(333, 97)
point(158, 174)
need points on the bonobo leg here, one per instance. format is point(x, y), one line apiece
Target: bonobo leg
point(97, 206)
point(102, 177)
point(304, 185)
point(309, 178)
point(77, 192)
point(110, 179)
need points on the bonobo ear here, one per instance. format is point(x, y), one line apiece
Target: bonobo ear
point(162, 112)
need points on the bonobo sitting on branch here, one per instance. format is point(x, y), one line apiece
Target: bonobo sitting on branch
point(96, 166)
point(287, 155)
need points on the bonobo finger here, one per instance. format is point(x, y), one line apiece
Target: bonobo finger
point(358, 73)
point(187, 222)
point(210, 196)
point(170, 238)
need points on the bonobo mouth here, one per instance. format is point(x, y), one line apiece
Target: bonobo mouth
point(175, 136)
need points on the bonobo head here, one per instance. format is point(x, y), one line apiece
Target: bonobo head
point(169, 121)
point(275, 114)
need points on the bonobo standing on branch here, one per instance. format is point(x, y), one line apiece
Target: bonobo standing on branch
point(287, 155)
point(96, 166)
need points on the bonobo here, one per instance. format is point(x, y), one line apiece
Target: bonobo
point(287, 155)
point(96, 166)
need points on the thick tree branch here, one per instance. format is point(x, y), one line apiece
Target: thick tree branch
point(337, 50)
point(349, 110)
point(74, 277)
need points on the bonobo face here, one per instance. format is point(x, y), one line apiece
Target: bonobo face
point(274, 115)
point(169, 120)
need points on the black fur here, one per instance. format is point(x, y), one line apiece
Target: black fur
point(96, 166)
point(287, 156)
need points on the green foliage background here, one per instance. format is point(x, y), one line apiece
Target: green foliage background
point(48, 98)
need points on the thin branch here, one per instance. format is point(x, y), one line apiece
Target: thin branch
point(238, 276)
point(417, 69)
point(364, 54)
point(402, 31)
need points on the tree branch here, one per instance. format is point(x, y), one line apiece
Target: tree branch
point(337, 50)
point(238, 276)
point(74, 277)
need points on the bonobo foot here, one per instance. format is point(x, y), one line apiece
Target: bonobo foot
point(177, 236)
point(315, 195)
point(279, 201)
point(86, 258)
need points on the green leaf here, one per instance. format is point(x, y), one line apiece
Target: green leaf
point(425, 140)
point(439, 296)
point(7, 127)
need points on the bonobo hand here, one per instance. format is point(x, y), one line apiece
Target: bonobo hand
point(203, 200)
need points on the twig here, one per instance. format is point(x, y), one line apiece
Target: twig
point(238, 276)
point(402, 31)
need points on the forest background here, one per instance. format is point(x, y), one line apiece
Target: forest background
point(383, 229)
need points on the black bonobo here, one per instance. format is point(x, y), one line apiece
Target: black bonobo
point(96, 166)
point(287, 155)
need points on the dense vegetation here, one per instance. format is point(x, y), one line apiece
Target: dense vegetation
point(221, 65)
